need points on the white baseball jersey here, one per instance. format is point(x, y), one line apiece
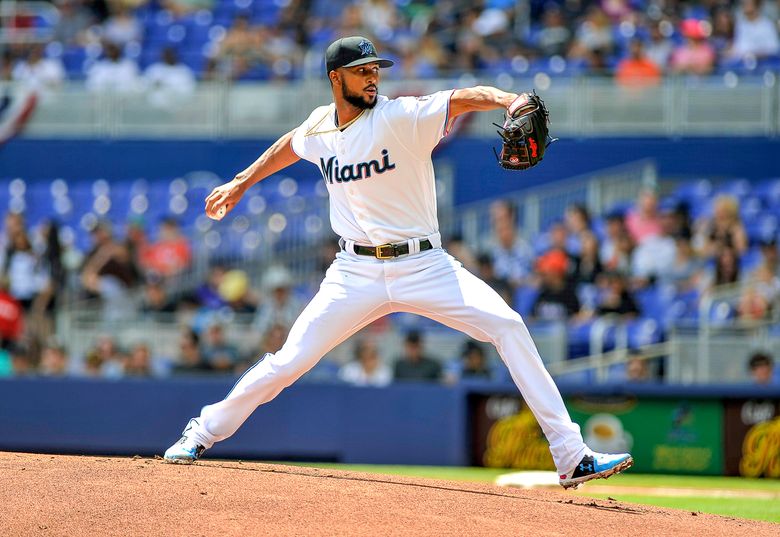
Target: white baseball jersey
point(378, 170)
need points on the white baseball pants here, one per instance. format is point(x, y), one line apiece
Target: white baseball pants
point(358, 290)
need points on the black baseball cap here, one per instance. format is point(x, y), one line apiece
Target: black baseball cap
point(352, 51)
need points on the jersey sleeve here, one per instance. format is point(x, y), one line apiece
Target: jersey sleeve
point(422, 120)
point(305, 146)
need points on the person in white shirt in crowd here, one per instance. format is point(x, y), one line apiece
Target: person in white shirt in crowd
point(279, 306)
point(168, 82)
point(42, 75)
point(122, 27)
point(754, 34)
point(656, 254)
point(367, 369)
point(113, 74)
point(512, 255)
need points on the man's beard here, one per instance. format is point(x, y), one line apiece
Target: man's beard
point(357, 100)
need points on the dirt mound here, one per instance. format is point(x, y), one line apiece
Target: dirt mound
point(65, 495)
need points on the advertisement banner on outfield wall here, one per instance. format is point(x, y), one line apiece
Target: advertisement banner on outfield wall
point(665, 436)
point(752, 437)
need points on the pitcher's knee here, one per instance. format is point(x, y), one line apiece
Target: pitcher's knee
point(503, 326)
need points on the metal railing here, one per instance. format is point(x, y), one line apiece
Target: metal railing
point(579, 107)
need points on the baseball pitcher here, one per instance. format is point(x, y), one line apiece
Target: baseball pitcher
point(374, 154)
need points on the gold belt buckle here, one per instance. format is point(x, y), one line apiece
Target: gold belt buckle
point(378, 251)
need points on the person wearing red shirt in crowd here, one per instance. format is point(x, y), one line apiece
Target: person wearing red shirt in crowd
point(637, 70)
point(170, 254)
point(643, 221)
point(696, 56)
point(11, 316)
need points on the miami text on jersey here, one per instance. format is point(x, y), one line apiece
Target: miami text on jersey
point(353, 172)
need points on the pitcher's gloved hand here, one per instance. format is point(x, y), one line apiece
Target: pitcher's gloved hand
point(525, 132)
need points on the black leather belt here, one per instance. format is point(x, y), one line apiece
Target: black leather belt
point(389, 251)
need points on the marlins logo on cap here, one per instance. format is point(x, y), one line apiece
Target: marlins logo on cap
point(366, 48)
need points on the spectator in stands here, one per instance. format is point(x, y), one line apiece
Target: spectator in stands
point(139, 362)
point(616, 299)
point(155, 304)
point(11, 316)
point(458, 248)
point(108, 271)
point(770, 257)
point(659, 48)
point(577, 222)
point(236, 291)
point(557, 299)
point(614, 228)
point(762, 368)
point(512, 255)
point(121, 27)
point(587, 266)
point(413, 365)
point(637, 70)
point(170, 254)
point(273, 339)
point(637, 370)
point(280, 51)
point(21, 361)
point(240, 50)
point(279, 306)
point(594, 35)
point(107, 357)
point(207, 294)
point(562, 241)
point(486, 271)
point(760, 295)
point(655, 254)
point(13, 224)
point(687, 269)
point(754, 34)
point(696, 56)
point(113, 74)
point(723, 230)
point(42, 75)
point(722, 37)
point(474, 363)
point(72, 25)
point(554, 36)
point(54, 361)
point(169, 82)
point(643, 221)
point(26, 276)
point(190, 359)
point(725, 272)
point(367, 368)
point(221, 355)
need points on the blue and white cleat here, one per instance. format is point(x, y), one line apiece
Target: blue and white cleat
point(595, 466)
point(186, 450)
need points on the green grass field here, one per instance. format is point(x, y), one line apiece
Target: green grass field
point(757, 499)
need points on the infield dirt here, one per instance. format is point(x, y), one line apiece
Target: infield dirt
point(53, 495)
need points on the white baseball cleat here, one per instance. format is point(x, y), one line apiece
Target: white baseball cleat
point(595, 466)
point(186, 450)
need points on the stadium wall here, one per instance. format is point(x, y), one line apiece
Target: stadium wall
point(680, 429)
point(741, 157)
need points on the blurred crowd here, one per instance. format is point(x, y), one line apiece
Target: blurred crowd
point(163, 46)
point(579, 269)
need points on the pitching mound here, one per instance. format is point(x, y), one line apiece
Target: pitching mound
point(61, 495)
